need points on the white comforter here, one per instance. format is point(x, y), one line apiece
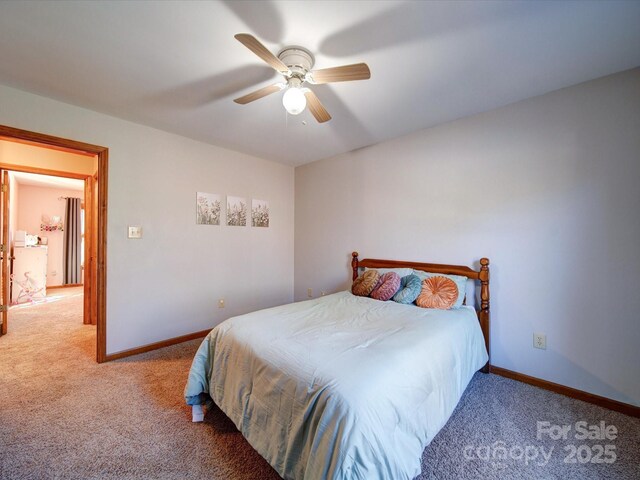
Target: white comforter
point(341, 387)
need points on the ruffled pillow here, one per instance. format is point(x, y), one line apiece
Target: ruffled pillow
point(410, 287)
point(387, 286)
point(365, 283)
point(438, 292)
point(459, 280)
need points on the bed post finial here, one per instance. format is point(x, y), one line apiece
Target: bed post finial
point(484, 281)
point(484, 313)
point(354, 264)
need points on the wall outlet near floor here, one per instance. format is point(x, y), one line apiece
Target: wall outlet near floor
point(221, 303)
point(323, 293)
point(540, 341)
point(54, 273)
point(310, 292)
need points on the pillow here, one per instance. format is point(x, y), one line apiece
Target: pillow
point(470, 294)
point(410, 287)
point(438, 292)
point(387, 286)
point(459, 280)
point(402, 272)
point(365, 283)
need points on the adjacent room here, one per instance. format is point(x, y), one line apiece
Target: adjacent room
point(46, 263)
point(44, 223)
point(317, 240)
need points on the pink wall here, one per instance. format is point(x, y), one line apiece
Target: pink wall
point(33, 202)
point(14, 188)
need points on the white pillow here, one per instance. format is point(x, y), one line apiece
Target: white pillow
point(402, 272)
point(471, 293)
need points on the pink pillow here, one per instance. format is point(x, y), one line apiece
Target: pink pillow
point(387, 287)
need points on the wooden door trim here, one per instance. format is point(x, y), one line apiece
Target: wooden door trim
point(102, 154)
point(88, 249)
point(43, 171)
point(68, 285)
point(51, 147)
point(7, 251)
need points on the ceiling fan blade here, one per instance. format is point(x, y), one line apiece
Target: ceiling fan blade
point(263, 92)
point(346, 73)
point(253, 44)
point(316, 108)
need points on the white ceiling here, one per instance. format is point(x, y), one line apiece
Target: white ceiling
point(48, 181)
point(177, 67)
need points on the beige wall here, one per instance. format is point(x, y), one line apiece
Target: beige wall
point(35, 201)
point(547, 188)
point(20, 154)
point(168, 283)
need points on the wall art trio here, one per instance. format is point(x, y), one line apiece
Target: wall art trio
point(209, 210)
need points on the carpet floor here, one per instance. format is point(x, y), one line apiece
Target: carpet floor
point(63, 416)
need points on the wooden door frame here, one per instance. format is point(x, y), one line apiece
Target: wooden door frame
point(102, 153)
point(6, 251)
point(87, 277)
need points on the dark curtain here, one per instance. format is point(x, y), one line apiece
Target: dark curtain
point(72, 242)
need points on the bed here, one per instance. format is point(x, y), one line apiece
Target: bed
point(344, 387)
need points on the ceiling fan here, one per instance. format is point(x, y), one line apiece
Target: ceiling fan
point(295, 64)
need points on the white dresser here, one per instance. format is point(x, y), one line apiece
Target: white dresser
point(31, 260)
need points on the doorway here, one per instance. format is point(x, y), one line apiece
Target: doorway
point(46, 234)
point(93, 270)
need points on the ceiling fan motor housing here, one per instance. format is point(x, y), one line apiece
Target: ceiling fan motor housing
point(299, 60)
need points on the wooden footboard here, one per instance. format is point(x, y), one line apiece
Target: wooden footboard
point(481, 275)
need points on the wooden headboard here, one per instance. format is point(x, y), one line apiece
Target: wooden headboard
point(481, 275)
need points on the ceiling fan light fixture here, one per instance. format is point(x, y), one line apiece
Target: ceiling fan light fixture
point(293, 99)
point(295, 64)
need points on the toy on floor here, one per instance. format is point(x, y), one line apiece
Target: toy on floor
point(30, 291)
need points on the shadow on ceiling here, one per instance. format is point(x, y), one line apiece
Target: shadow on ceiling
point(343, 122)
point(411, 21)
point(262, 18)
point(207, 90)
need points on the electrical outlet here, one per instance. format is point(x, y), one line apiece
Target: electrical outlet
point(221, 303)
point(135, 231)
point(540, 341)
point(310, 292)
point(323, 293)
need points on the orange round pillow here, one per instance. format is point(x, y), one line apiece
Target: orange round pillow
point(365, 283)
point(438, 292)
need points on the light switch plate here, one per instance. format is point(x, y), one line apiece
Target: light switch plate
point(135, 231)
